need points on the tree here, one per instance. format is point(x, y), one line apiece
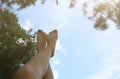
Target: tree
point(19, 4)
point(16, 45)
point(103, 12)
point(100, 12)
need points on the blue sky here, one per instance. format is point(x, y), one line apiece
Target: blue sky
point(82, 52)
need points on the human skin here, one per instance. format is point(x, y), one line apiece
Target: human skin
point(38, 66)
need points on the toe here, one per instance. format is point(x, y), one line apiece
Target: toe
point(55, 31)
point(40, 32)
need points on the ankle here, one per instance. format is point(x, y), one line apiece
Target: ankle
point(49, 49)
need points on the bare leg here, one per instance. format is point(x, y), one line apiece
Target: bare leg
point(31, 69)
point(51, 43)
point(41, 40)
point(52, 38)
point(49, 74)
point(37, 66)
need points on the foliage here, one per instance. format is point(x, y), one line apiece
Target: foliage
point(15, 44)
point(71, 5)
point(20, 4)
point(102, 13)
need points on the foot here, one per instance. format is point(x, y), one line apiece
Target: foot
point(41, 40)
point(52, 38)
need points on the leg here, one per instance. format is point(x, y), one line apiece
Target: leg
point(31, 69)
point(51, 40)
point(49, 73)
point(37, 66)
point(25, 72)
point(41, 45)
point(41, 40)
point(51, 43)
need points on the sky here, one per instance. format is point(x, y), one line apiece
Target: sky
point(82, 52)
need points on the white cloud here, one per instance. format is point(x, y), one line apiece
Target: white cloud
point(55, 61)
point(28, 25)
point(61, 23)
point(56, 74)
point(58, 45)
point(61, 48)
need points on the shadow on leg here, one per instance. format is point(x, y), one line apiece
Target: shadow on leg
point(49, 73)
